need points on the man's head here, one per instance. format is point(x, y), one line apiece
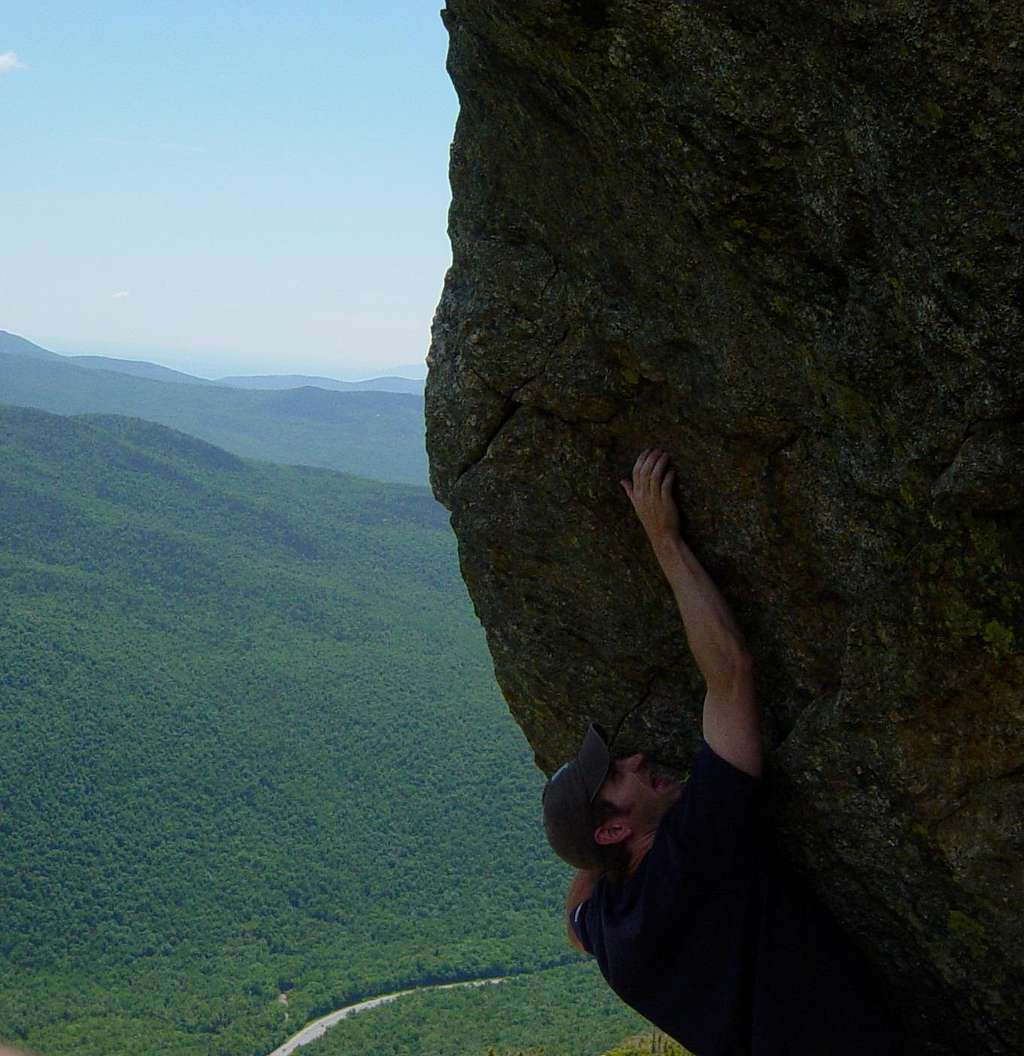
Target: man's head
point(600, 812)
point(569, 799)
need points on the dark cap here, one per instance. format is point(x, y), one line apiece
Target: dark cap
point(567, 798)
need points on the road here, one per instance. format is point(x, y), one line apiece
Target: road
point(316, 1029)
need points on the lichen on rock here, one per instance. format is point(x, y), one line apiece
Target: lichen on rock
point(785, 243)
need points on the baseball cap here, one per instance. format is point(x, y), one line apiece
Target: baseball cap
point(567, 798)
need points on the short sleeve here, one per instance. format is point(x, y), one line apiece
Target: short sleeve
point(717, 820)
point(578, 923)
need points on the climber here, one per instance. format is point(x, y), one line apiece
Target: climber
point(679, 894)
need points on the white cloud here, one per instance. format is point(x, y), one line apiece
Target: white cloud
point(10, 61)
point(119, 296)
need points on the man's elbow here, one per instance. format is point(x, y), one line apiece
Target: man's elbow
point(731, 719)
point(742, 661)
point(735, 671)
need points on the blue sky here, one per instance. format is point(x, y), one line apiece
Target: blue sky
point(223, 186)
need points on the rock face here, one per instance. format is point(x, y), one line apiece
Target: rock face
point(782, 241)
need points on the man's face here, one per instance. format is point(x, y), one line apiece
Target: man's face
point(639, 793)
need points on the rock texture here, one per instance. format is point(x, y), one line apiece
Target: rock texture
point(783, 241)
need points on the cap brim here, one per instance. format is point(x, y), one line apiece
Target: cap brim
point(594, 761)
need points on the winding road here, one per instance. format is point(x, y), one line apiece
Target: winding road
point(319, 1027)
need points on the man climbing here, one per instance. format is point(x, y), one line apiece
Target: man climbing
point(679, 895)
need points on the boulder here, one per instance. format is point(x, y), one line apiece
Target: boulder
point(784, 242)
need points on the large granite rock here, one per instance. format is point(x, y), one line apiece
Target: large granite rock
point(783, 241)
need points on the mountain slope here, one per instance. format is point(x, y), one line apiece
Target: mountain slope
point(137, 368)
point(18, 346)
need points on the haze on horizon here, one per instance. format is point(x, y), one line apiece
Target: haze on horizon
point(239, 189)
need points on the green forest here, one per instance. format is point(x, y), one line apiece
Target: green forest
point(252, 747)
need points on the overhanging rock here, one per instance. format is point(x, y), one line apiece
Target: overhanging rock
point(782, 241)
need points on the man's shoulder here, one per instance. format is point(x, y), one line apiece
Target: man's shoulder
point(706, 759)
point(719, 824)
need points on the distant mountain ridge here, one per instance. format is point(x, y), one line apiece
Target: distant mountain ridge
point(295, 381)
point(393, 381)
point(369, 433)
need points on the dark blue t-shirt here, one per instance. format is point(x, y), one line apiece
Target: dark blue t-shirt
point(717, 945)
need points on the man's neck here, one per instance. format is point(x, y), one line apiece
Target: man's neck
point(638, 850)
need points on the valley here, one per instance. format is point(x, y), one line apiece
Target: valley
point(253, 745)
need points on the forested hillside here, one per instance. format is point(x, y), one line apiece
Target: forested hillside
point(252, 746)
point(372, 434)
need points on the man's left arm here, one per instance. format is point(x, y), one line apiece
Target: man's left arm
point(579, 891)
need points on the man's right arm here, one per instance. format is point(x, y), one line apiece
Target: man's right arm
point(732, 722)
point(732, 725)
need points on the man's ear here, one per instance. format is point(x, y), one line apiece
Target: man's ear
point(614, 831)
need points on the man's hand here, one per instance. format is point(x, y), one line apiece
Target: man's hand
point(650, 491)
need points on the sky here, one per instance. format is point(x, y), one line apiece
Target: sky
point(224, 186)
